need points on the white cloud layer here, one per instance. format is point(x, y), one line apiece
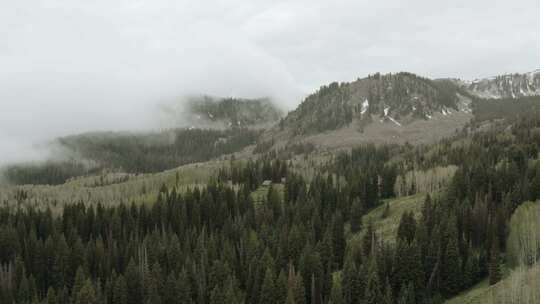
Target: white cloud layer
point(70, 66)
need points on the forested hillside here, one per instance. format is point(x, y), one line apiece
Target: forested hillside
point(398, 97)
point(304, 243)
point(236, 112)
point(208, 112)
point(132, 153)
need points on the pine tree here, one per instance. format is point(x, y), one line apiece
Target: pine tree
point(268, 289)
point(51, 296)
point(451, 271)
point(86, 294)
point(79, 282)
point(406, 295)
point(369, 239)
point(357, 212)
point(386, 211)
point(183, 288)
point(338, 239)
point(388, 297)
point(120, 291)
point(133, 282)
point(299, 290)
point(281, 288)
point(349, 277)
point(217, 296)
point(494, 264)
point(373, 294)
point(336, 295)
point(290, 297)
point(23, 292)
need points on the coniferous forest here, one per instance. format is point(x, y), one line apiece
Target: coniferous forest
point(269, 152)
point(304, 242)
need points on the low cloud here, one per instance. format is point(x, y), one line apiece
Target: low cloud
point(74, 66)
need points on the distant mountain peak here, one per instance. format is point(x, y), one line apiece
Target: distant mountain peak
point(395, 98)
point(510, 85)
point(205, 111)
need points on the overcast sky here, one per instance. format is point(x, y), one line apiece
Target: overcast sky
point(69, 66)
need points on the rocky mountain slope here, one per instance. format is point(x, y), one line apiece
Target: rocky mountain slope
point(381, 108)
point(505, 86)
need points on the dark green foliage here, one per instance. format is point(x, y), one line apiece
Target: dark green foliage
point(269, 291)
point(213, 244)
point(133, 153)
point(338, 239)
point(373, 293)
point(452, 277)
point(86, 295)
point(337, 104)
point(51, 296)
point(510, 108)
point(47, 173)
point(336, 296)
point(120, 293)
point(495, 274)
point(357, 211)
point(407, 227)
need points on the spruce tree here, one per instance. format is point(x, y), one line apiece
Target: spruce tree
point(299, 290)
point(349, 284)
point(451, 271)
point(51, 296)
point(357, 212)
point(217, 296)
point(373, 294)
point(79, 282)
point(281, 288)
point(133, 282)
point(338, 239)
point(268, 289)
point(87, 294)
point(495, 274)
point(336, 295)
point(120, 293)
point(407, 295)
point(183, 290)
point(23, 292)
point(388, 297)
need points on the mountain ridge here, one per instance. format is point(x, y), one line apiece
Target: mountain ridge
point(510, 85)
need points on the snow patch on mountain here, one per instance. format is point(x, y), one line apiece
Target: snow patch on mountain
point(365, 106)
point(394, 121)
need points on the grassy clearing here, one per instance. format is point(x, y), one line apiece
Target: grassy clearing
point(141, 188)
point(386, 228)
point(259, 196)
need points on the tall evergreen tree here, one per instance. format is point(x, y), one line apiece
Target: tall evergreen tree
point(373, 293)
point(269, 292)
point(451, 271)
point(120, 293)
point(336, 295)
point(87, 294)
point(495, 274)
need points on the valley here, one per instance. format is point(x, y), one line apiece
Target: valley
point(388, 189)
